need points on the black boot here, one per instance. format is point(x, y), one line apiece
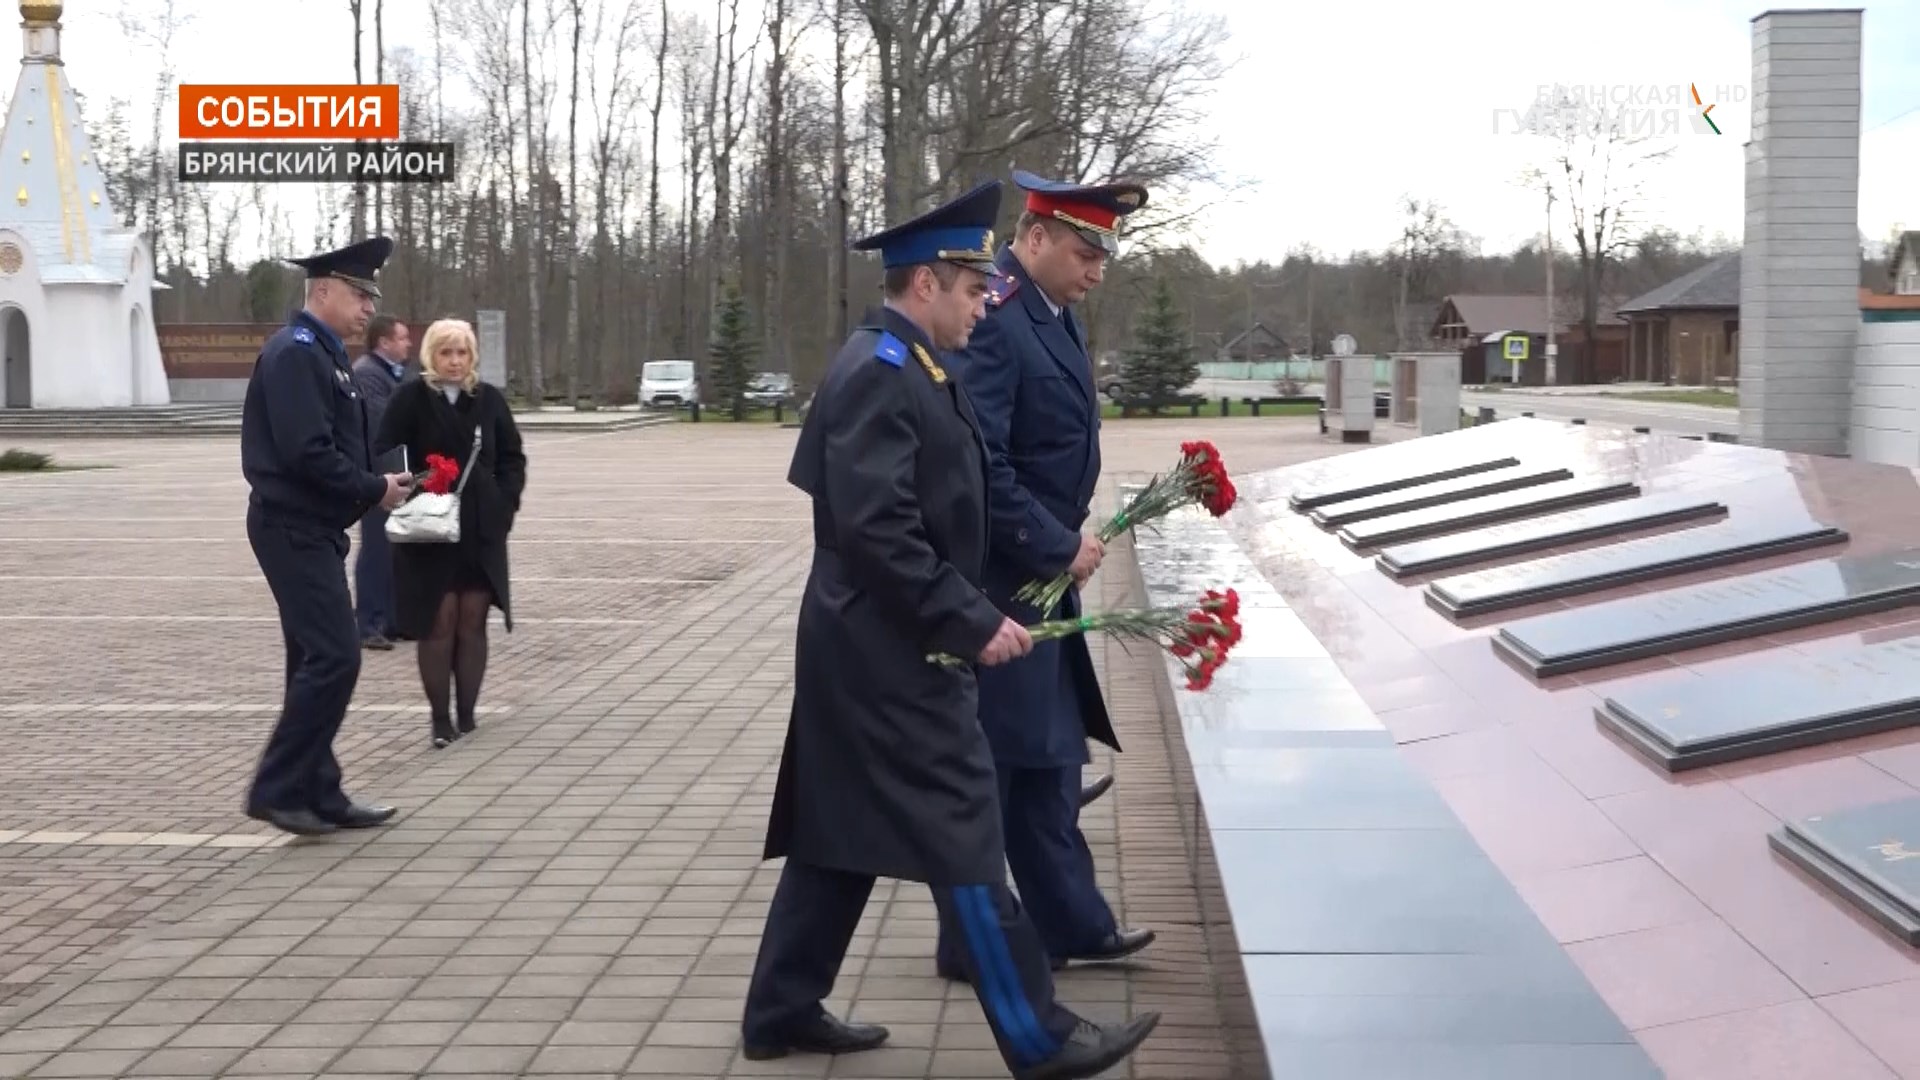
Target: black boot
point(1093, 1049)
point(824, 1034)
point(466, 725)
point(443, 733)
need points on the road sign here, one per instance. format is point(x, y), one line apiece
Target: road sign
point(1515, 347)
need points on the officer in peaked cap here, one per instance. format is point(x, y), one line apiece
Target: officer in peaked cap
point(1028, 372)
point(886, 772)
point(306, 453)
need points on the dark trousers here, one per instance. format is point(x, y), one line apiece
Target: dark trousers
point(373, 577)
point(305, 566)
point(812, 919)
point(1051, 864)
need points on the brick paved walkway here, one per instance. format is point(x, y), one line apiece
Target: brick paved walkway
point(573, 891)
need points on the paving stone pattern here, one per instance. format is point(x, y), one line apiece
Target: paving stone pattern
point(576, 890)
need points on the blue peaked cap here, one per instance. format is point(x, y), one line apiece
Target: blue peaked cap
point(357, 264)
point(959, 232)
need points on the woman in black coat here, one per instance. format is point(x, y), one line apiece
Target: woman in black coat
point(442, 592)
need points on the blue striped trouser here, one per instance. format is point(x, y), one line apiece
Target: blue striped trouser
point(811, 921)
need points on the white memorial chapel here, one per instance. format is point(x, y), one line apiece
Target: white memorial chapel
point(76, 286)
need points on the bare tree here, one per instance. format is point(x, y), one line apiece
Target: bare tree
point(379, 76)
point(918, 44)
point(1602, 172)
point(572, 354)
point(536, 177)
point(661, 46)
point(837, 239)
point(612, 125)
point(1427, 236)
point(156, 30)
point(778, 204)
point(360, 186)
point(694, 127)
point(731, 125)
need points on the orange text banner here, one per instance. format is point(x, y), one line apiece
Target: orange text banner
point(330, 111)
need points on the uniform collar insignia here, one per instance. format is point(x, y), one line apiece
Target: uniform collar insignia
point(1000, 286)
point(303, 335)
point(938, 373)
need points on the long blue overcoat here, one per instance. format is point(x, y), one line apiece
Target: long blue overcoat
point(1027, 373)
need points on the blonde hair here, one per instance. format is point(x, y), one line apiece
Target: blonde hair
point(441, 334)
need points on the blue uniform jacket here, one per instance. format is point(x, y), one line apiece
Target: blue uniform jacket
point(305, 448)
point(1033, 393)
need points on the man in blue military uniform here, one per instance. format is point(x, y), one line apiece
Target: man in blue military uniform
point(1026, 368)
point(886, 772)
point(306, 453)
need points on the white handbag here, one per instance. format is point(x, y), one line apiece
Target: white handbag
point(429, 518)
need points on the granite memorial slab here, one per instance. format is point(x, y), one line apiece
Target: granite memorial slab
point(1754, 711)
point(1485, 510)
point(1467, 595)
point(1538, 534)
point(1870, 855)
point(1635, 627)
point(1457, 489)
point(1364, 484)
point(1371, 891)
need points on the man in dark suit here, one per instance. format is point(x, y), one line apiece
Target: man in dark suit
point(375, 375)
point(886, 772)
point(306, 453)
point(1027, 370)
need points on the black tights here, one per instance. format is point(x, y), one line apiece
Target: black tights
point(456, 649)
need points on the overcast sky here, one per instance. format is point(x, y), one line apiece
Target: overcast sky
point(1331, 113)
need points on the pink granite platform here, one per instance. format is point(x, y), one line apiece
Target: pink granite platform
point(1722, 958)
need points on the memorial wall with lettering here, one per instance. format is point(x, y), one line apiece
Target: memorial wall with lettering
point(224, 350)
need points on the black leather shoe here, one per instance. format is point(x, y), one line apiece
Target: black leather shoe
point(298, 822)
point(1096, 789)
point(1118, 945)
point(1093, 1049)
point(825, 1034)
point(361, 816)
point(377, 643)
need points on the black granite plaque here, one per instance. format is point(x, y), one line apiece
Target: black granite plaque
point(1362, 485)
point(1639, 626)
point(1870, 855)
point(1485, 510)
point(1467, 595)
point(1538, 534)
point(1455, 490)
point(1754, 711)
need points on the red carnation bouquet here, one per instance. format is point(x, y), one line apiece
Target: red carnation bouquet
point(1199, 637)
point(1200, 479)
point(439, 477)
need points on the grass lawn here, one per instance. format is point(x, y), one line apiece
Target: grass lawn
point(751, 416)
point(1236, 407)
point(1721, 399)
point(28, 462)
point(1108, 411)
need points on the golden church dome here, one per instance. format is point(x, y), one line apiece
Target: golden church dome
point(43, 11)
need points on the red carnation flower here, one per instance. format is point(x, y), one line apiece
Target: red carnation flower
point(441, 474)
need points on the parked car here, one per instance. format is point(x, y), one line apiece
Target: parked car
point(769, 388)
point(668, 383)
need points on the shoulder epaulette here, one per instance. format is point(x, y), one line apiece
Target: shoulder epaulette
point(303, 335)
point(933, 369)
point(1000, 287)
point(890, 350)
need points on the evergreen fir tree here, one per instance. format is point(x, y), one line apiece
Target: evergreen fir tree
point(1160, 365)
point(730, 353)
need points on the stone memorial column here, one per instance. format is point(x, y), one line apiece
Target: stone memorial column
point(1800, 264)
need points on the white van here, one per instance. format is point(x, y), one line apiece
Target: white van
point(669, 383)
